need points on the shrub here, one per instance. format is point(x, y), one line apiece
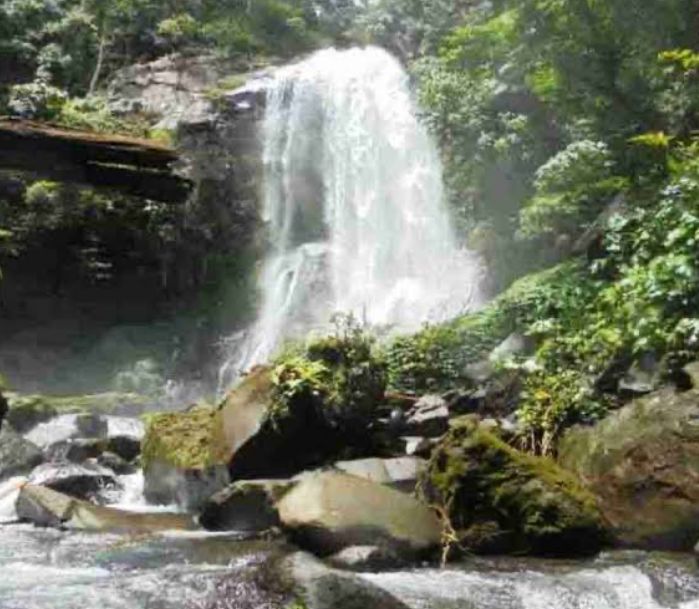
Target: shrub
point(570, 190)
point(36, 100)
point(341, 375)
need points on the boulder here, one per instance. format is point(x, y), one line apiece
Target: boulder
point(643, 463)
point(183, 460)
point(246, 505)
point(27, 412)
point(429, 417)
point(17, 455)
point(127, 447)
point(501, 500)
point(75, 450)
point(46, 507)
point(91, 425)
point(366, 559)
point(4, 406)
point(401, 473)
point(329, 511)
point(115, 463)
point(417, 446)
point(82, 481)
point(643, 376)
point(318, 586)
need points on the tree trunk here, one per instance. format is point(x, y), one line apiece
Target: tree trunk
point(100, 61)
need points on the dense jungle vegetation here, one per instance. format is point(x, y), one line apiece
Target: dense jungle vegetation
point(568, 131)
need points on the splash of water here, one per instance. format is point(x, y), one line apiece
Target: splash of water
point(353, 199)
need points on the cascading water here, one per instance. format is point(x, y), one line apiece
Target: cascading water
point(354, 203)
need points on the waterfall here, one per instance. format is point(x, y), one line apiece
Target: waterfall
point(353, 202)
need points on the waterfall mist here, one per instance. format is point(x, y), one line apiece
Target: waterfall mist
point(353, 202)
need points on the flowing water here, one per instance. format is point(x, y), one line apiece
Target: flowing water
point(354, 206)
point(47, 569)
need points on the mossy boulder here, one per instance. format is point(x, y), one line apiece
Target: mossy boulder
point(18, 456)
point(643, 463)
point(183, 456)
point(499, 499)
point(27, 411)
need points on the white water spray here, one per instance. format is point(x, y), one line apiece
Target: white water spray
point(354, 203)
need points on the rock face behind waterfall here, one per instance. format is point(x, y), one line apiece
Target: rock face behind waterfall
point(643, 462)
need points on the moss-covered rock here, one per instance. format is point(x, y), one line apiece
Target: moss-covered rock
point(184, 459)
point(26, 411)
point(643, 463)
point(498, 499)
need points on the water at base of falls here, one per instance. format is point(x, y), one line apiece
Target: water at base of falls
point(353, 201)
point(49, 569)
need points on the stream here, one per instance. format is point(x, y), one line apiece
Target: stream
point(48, 569)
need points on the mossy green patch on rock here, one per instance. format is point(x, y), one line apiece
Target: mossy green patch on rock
point(29, 410)
point(499, 499)
point(186, 440)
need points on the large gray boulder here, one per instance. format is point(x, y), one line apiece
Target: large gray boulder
point(329, 511)
point(642, 461)
point(246, 506)
point(318, 586)
point(17, 455)
point(46, 507)
point(401, 473)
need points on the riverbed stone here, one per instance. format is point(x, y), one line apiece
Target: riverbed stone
point(429, 417)
point(329, 511)
point(114, 462)
point(366, 559)
point(127, 447)
point(26, 412)
point(643, 463)
point(84, 480)
point(246, 505)
point(17, 455)
point(500, 499)
point(75, 450)
point(318, 586)
point(45, 507)
point(401, 473)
